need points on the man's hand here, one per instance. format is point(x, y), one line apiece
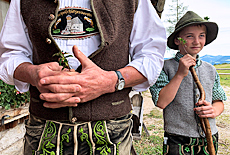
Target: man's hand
point(45, 70)
point(70, 88)
point(32, 74)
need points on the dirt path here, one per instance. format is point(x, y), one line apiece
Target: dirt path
point(222, 121)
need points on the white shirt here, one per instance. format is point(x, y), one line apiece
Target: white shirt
point(147, 43)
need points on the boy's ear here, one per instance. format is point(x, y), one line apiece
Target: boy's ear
point(176, 41)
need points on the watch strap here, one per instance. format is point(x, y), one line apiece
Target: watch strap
point(120, 77)
point(120, 82)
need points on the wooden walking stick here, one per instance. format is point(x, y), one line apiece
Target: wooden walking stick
point(204, 121)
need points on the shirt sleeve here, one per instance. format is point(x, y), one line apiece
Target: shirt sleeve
point(218, 92)
point(15, 46)
point(147, 44)
point(161, 82)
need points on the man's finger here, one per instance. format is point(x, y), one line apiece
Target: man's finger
point(84, 60)
point(60, 79)
point(63, 88)
point(56, 97)
point(49, 69)
point(71, 102)
point(54, 66)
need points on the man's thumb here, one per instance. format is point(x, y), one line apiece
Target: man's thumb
point(80, 56)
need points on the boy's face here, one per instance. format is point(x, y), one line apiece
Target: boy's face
point(195, 37)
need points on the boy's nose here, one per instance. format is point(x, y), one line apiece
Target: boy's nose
point(196, 40)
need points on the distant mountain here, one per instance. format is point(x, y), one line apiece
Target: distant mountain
point(215, 60)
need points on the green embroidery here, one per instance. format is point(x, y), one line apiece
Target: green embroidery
point(164, 148)
point(187, 149)
point(205, 151)
point(64, 137)
point(215, 143)
point(118, 148)
point(205, 141)
point(56, 31)
point(48, 136)
point(193, 141)
point(200, 142)
point(180, 149)
point(90, 29)
point(85, 136)
point(216, 147)
point(99, 128)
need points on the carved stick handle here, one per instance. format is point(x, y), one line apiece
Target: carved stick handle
point(204, 121)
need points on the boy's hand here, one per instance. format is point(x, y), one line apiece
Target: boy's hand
point(205, 111)
point(184, 64)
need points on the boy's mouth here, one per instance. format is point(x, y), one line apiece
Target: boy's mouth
point(195, 47)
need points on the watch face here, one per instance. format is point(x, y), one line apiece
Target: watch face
point(121, 85)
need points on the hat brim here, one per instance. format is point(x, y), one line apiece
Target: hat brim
point(211, 28)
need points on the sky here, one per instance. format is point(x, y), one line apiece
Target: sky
point(219, 12)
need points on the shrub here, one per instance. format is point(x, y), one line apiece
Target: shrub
point(10, 97)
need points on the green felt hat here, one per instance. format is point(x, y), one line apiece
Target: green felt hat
point(191, 18)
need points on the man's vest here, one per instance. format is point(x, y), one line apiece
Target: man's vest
point(179, 116)
point(114, 20)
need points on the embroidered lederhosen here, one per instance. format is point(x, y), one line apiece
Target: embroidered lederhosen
point(180, 145)
point(88, 138)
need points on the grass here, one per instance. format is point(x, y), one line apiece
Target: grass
point(223, 119)
point(149, 145)
point(224, 79)
point(152, 145)
point(155, 114)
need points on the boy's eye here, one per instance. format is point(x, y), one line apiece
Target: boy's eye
point(189, 36)
point(202, 35)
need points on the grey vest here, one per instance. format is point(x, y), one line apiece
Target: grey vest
point(179, 117)
point(114, 20)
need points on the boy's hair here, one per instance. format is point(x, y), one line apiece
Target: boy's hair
point(191, 18)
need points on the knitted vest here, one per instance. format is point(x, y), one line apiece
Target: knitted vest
point(114, 20)
point(179, 117)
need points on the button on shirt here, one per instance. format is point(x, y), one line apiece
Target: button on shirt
point(147, 43)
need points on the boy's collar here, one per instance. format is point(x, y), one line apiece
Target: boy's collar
point(179, 55)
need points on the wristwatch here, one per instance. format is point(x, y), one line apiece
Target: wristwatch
point(120, 82)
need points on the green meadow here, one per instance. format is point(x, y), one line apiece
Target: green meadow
point(224, 79)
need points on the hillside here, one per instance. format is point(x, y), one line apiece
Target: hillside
point(215, 60)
